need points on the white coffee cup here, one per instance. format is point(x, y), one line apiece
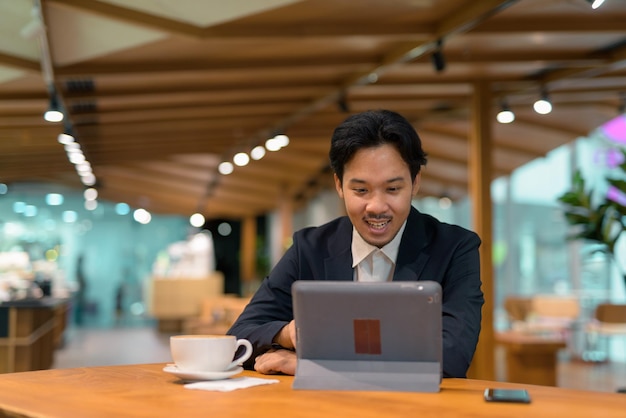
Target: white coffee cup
point(208, 353)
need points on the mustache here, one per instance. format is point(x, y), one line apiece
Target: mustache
point(375, 217)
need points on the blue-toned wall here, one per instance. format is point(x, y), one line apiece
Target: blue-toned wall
point(117, 251)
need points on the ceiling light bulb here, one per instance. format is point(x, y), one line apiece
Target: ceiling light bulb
point(76, 158)
point(272, 144)
point(241, 159)
point(91, 204)
point(84, 168)
point(142, 216)
point(197, 220)
point(505, 116)
point(257, 152)
point(65, 139)
point(542, 106)
point(88, 179)
point(445, 202)
point(225, 168)
point(283, 140)
point(72, 147)
point(595, 3)
point(90, 194)
point(52, 115)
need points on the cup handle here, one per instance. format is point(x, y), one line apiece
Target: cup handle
point(246, 354)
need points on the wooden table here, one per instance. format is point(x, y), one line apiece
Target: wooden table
point(146, 391)
point(30, 332)
point(531, 358)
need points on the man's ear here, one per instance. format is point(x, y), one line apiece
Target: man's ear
point(416, 184)
point(338, 186)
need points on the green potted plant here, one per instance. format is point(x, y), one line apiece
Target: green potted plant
point(599, 218)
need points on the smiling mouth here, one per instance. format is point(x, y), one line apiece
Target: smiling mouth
point(378, 224)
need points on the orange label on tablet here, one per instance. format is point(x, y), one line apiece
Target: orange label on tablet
point(367, 336)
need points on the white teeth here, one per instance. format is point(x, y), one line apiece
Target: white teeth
point(379, 225)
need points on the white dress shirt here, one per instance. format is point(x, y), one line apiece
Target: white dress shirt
point(374, 264)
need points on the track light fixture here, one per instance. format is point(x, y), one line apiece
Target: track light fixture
point(543, 106)
point(67, 136)
point(505, 115)
point(54, 112)
point(439, 61)
point(35, 27)
point(342, 104)
point(595, 3)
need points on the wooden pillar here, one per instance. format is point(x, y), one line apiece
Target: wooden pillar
point(281, 227)
point(248, 251)
point(286, 221)
point(480, 174)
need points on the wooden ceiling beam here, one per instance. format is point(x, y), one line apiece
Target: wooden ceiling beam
point(243, 199)
point(184, 112)
point(174, 126)
point(199, 93)
point(245, 186)
point(184, 68)
point(167, 170)
point(163, 183)
point(220, 208)
point(19, 63)
point(551, 24)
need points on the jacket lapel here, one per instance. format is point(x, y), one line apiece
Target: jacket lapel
point(414, 241)
point(339, 265)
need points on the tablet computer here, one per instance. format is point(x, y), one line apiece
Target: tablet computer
point(368, 336)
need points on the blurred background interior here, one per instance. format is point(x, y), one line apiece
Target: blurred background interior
point(191, 140)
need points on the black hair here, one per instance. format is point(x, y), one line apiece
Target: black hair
point(374, 128)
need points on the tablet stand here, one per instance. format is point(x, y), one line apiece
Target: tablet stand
point(396, 376)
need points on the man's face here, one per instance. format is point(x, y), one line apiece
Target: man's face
point(377, 191)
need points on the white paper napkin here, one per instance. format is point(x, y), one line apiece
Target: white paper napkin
point(231, 384)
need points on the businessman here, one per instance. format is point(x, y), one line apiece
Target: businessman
point(376, 157)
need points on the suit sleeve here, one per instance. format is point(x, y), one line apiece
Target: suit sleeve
point(270, 308)
point(462, 303)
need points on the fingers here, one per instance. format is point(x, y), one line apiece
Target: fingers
point(276, 361)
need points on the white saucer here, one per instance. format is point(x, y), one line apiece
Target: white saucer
point(199, 376)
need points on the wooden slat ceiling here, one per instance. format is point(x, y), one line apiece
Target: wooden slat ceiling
point(159, 94)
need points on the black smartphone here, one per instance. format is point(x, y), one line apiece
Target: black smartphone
point(507, 395)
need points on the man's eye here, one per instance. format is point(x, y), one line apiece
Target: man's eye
point(359, 191)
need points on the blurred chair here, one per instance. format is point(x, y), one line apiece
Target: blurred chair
point(517, 308)
point(609, 321)
point(611, 316)
point(552, 312)
point(552, 317)
point(542, 313)
point(217, 315)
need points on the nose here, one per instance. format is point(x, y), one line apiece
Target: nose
point(377, 203)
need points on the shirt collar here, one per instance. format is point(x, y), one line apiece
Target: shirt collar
point(361, 249)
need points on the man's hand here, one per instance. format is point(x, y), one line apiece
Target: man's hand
point(286, 337)
point(276, 361)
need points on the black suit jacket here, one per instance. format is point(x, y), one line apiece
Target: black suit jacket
point(429, 250)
